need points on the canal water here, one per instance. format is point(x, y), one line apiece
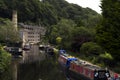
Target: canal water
point(35, 66)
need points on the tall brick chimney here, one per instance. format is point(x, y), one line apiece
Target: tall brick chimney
point(14, 19)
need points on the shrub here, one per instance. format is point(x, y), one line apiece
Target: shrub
point(5, 60)
point(91, 48)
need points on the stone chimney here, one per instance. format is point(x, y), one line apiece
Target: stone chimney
point(14, 19)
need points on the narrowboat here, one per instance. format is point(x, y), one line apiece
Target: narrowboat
point(79, 69)
point(41, 47)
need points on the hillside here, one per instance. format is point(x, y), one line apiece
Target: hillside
point(48, 12)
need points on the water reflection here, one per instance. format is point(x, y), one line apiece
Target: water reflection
point(29, 57)
point(32, 55)
point(34, 66)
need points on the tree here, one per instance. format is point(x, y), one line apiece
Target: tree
point(108, 34)
point(58, 41)
point(5, 61)
point(34, 11)
point(81, 35)
point(64, 30)
point(46, 12)
point(7, 32)
point(4, 11)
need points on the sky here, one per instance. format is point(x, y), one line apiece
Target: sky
point(93, 4)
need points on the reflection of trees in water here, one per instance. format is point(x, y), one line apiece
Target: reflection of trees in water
point(47, 69)
point(34, 66)
point(28, 71)
point(32, 55)
point(29, 57)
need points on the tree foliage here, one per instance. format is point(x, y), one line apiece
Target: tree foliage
point(64, 30)
point(81, 35)
point(91, 48)
point(7, 31)
point(72, 37)
point(108, 34)
point(106, 56)
point(46, 12)
point(5, 61)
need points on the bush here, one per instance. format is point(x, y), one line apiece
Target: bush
point(106, 56)
point(107, 59)
point(91, 48)
point(5, 60)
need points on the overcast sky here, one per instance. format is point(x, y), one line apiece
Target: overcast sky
point(93, 4)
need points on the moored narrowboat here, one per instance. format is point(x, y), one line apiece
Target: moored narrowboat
point(78, 69)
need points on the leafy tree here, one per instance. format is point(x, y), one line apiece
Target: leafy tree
point(4, 11)
point(5, 60)
point(45, 12)
point(80, 36)
point(108, 34)
point(90, 18)
point(64, 30)
point(59, 7)
point(7, 32)
point(34, 11)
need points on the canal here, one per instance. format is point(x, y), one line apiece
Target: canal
point(38, 65)
point(34, 65)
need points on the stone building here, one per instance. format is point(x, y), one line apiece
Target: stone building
point(31, 34)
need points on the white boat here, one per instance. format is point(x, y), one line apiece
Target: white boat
point(26, 47)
